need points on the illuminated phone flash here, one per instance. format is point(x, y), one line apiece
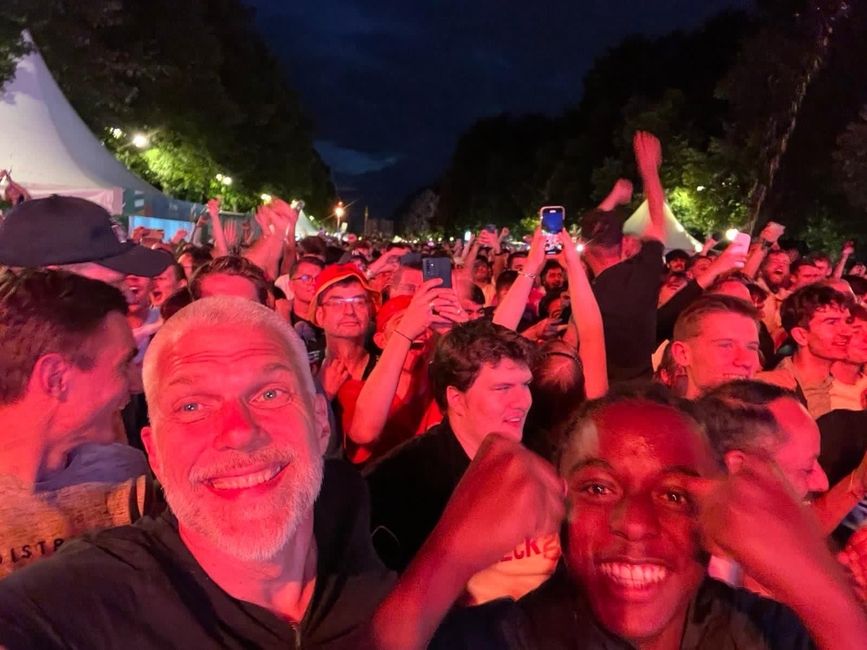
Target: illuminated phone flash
point(579, 248)
point(467, 235)
point(731, 233)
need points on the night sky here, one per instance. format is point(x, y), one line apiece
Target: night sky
point(391, 85)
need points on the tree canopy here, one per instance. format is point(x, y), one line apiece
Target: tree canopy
point(193, 76)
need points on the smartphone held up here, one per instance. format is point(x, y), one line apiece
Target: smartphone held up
point(552, 218)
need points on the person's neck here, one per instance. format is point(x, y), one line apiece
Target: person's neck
point(469, 439)
point(26, 452)
point(137, 316)
point(669, 638)
point(845, 372)
point(599, 261)
point(810, 368)
point(301, 308)
point(283, 585)
point(350, 351)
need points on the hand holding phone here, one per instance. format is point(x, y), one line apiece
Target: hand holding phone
point(552, 218)
point(437, 267)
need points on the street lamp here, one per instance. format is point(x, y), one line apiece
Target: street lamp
point(339, 211)
point(140, 140)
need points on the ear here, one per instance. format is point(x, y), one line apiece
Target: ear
point(681, 353)
point(150, 445)
point(182, 283)
point(800, 335)
point(320, 420)
point(51, 376)
point(379, 340)
point(319, 313)
point(455, 400)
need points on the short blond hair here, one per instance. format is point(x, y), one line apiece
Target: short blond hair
point(216, 311)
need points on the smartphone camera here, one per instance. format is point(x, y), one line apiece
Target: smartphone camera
point(552, 218)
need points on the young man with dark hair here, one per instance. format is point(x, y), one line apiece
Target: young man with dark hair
point(480, 375)
point(552, 277)
point(65, 368)
point(716, 339)
point(804, 272)
point(231, 275)
point(817, 318)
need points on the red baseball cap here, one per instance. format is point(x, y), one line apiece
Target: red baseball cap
point(333, 274)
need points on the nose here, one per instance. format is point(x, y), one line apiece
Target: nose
point(523, 399)
point(818, 480)
point(634, 518)
point(237, 429)
point(746, 358)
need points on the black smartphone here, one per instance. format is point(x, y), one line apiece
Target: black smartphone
point(410, 259)
point(552, 217)
point(491, 228)
point(437, 267)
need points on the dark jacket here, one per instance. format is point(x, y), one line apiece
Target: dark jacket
point(556, 616)
point(139, 587)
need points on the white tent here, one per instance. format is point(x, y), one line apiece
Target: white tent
point(50, 150)
point(675, 234)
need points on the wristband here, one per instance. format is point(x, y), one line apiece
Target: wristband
point(398, 332)
point(532, 276)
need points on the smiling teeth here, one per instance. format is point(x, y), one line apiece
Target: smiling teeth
point(246, 481)
point(638, 576)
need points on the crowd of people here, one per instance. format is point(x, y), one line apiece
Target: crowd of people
point(243, 439)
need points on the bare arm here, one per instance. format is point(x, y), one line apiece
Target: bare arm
point(588, 322)
point(380, 387)
point(620, 194)
point(512, 306)
point(768, 237)
point(221, 247)
point(845, 254)
point(648, 155)
point(833, 506)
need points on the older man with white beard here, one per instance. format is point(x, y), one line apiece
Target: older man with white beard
point(252, 554)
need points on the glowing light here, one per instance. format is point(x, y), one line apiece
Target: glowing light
point(697, 247)
point(339, 211)
point(227, 180)
point(219, 177)
point(579, 248)
point(731, 233)
point(467, 235)
point(700, 188)
point(140, 140)
point(266, 198)
point(116, 133)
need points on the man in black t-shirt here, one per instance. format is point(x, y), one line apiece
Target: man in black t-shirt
point(265, 545)
point(627, 289)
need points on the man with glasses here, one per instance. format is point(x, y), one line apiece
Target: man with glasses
point(301, 284)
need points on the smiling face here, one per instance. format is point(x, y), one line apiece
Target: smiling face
point(234, 438)
point(725, 348)
point(827, 334)
point(632, 540)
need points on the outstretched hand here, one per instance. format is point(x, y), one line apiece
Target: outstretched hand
point(648, 153)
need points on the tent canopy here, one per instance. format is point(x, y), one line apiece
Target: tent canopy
point(48, 147)
point(676, 235)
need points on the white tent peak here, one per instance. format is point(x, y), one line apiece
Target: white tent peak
point(676, 235)
point(48, 147)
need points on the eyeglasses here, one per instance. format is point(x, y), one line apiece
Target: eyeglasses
point(354, 301)
point(304, 278)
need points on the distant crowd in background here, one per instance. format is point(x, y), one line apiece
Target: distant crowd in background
point(241, 438)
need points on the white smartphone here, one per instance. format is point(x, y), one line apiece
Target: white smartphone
point(741, 242)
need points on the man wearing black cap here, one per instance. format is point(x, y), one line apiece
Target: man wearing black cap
point(627, 289)
point(76, 235)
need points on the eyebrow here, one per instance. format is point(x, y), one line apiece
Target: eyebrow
point(681, 469)
point(590, 462)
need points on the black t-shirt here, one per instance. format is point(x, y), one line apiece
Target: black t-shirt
point(556, 616)
point(409, 489)
point(627, 294)
point(139, 587)
point(314, 340)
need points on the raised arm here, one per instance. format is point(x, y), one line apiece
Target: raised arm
point(845, 254)
point(221, 247)
point(512, 306)
point(430, 305)
point(478, 526)
point(620, 194)
point(648, 156)
point(767, 239)
point(588, 322)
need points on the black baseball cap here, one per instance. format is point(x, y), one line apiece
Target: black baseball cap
point(69, 230)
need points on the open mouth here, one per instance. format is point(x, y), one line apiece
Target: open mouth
point(634, 575)
point(246, 481)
